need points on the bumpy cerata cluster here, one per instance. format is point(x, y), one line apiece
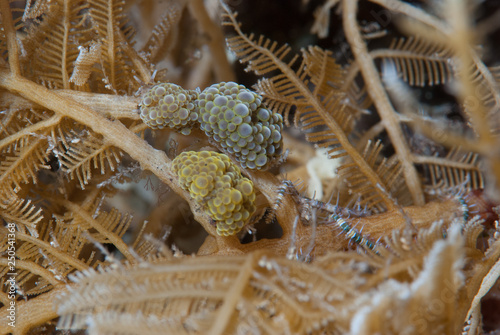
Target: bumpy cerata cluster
point(232, 116)
point(236, 120)
point(216, 183)
point(169, 105)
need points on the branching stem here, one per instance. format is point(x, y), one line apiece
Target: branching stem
point(380, 99)
point(10, 34)
point(35, 128)
point(109, 235)
point(31, 313)
point(223, 70)
point(156, 161)
point(34, 268)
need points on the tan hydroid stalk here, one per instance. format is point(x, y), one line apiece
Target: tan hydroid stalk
point(380, 99)
point(358, 221)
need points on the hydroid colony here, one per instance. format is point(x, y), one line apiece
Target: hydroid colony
point(403, 240)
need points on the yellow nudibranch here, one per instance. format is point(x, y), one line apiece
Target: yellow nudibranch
point(232, 116)
point(217, 184)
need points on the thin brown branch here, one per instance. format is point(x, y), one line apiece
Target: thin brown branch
point(458, 35)
point(461, 41)
point(33, 312)
point(47, 247)
point(109, 235)
point(486, 275)
point(418, 159)
point(30, 130)
point(223, 70)
point(200, 76)
point(233, 295)
point(142, 69)
point(370, 134)
point(64, 54)
point(110, 105)
point(10, 34)
point(416, 13)
point(34, 269)
point(380, 99)
point(353, 69)
point(267, 184)
point(7, 175)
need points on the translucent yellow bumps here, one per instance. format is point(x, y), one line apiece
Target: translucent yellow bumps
point(217, 184)
point(237, 121)
point(169, 105)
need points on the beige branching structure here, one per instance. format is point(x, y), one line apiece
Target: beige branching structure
point(96, 223)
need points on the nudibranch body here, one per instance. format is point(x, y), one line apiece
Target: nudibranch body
point(232, 116)
point(169, 105)
point(239, 124)
point(217, 184)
